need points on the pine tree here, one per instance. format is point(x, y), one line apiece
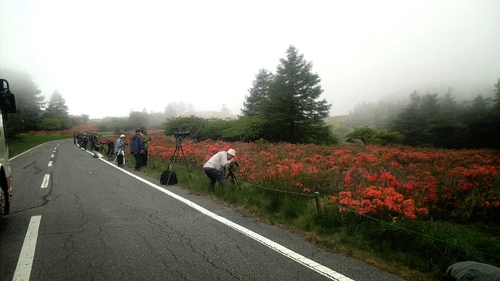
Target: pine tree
point(29, 101)
point(259, 93)
point(293, 112)
point(496, 94)
point(56, 116)
point(57, 104)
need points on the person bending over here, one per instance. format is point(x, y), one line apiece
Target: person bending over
point(215, 166)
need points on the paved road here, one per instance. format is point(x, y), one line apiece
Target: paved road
point(75, 217)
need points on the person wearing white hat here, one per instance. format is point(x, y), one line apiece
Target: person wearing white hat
point(120, 150)
point(215, 166)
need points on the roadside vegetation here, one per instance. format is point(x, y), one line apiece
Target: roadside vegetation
point(24, 142)
point(410, 211)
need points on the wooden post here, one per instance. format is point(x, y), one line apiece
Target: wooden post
point(319, 205)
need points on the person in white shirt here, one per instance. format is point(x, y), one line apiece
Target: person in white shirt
point(215, 166)
point(120, 150)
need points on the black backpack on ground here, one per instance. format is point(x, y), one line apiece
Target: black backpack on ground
point(168, 178)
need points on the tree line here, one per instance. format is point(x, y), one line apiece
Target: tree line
point(431, 120)
point(285, 106)
point(33, 112)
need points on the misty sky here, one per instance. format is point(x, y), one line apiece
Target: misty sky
point(109, 57)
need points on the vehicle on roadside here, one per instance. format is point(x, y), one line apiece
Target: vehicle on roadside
point(7, 105)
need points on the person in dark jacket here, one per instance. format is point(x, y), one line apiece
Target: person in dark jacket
point(85, 140)
point(137, 148)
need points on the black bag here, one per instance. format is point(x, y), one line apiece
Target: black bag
point(168, 178)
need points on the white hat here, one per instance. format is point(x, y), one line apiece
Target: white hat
point(232, 152)
point(122, 136)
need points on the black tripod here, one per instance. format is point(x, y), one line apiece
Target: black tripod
point(230, 175)
point(178, 148)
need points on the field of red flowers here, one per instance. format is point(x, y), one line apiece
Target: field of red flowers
point(389, 183)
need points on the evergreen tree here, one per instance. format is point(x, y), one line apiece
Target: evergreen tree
point(28, 99)
point(57, 104)
point(496, 93)
point(137, 119)
point(56, 116)
point(259, 94)
point(413, 121)
point(446, 129)
point(293, 113)
point(494, 119)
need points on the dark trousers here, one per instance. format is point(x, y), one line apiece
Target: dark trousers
point(119, 159)
point(215, 176)
point(145, 158)
point(139, 158)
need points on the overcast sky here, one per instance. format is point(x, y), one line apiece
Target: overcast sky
point(110, 57)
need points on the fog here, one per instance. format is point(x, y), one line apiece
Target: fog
point(110, 57)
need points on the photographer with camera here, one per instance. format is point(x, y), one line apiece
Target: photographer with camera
point(215, 166)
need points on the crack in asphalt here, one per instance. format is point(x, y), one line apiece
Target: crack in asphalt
point(35, 166)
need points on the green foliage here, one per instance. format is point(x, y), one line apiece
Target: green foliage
point(25, 142)
point(428, 121)
point(194, 125)
point(245, 129)
point(136, 120)
point(259, 93)
point(56, 116)
point(113, 124)
point(371, 136)
point(432, 120)
point(214, 129)
point(30, 115)
point(288, 104)
point(365, 134)
point(57, 104)
point(50, 123)
point(242, 129)
point(378, 116)
point(496, 94)
point(28, 99)
point(293, 113)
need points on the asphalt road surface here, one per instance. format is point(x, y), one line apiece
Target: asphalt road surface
point(75, 217)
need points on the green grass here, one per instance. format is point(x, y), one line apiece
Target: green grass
point(412, 250)
point(25, 142)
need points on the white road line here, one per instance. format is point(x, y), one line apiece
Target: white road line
point(323, 270)
point(45, 181)
point(52, 156)
point(25, 262)
point(50, 164)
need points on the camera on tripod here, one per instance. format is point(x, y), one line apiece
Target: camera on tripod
point(182, 134)
point(230, 175)
point(233, 166)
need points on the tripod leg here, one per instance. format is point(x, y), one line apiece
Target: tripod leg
point(185, 161)
point(232, 177)
point(169, 167)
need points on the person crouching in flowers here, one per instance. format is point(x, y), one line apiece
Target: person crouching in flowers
point(215, 166)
